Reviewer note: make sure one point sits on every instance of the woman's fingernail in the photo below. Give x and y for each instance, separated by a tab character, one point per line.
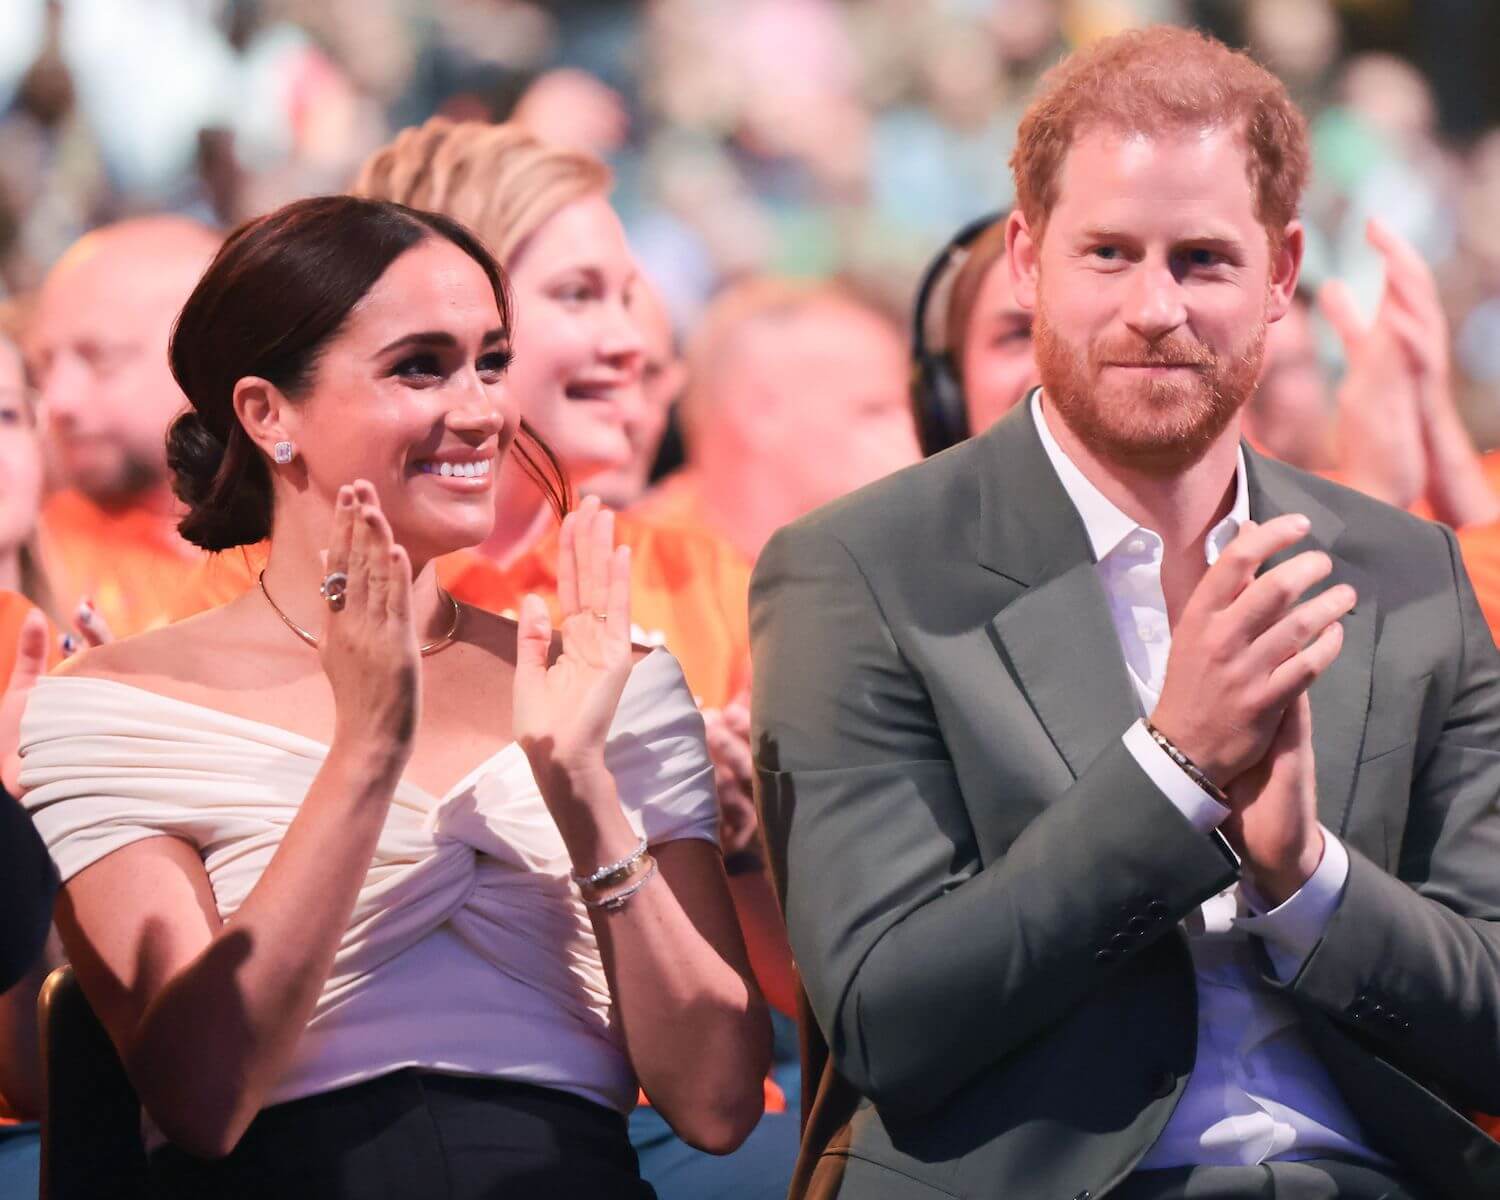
69	643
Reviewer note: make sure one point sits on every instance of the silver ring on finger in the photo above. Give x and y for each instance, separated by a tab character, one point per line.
334	589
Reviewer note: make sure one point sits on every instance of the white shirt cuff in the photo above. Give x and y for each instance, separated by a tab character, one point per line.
1203	812
1295	926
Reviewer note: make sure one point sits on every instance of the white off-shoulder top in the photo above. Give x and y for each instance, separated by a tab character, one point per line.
468	950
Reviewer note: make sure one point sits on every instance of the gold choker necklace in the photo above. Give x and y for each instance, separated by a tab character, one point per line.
312	640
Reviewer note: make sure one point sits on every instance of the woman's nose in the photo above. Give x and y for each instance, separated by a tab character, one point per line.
621	340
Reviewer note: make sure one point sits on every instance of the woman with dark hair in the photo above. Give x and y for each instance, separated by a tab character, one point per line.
378	894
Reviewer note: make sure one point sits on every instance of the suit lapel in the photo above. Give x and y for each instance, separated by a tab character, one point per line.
1062	648
1059	643
1056	638
1340	697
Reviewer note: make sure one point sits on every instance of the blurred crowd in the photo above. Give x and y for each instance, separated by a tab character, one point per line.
805	137
782	171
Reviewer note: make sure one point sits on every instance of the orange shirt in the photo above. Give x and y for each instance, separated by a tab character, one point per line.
688	591
219	578
674	503
130	561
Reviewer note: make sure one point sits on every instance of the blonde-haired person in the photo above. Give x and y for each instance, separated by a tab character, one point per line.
29	612
577	374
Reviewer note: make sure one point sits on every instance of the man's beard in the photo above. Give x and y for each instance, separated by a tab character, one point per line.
1154	425
119	483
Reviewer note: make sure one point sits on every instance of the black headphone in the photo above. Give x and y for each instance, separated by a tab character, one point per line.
937	396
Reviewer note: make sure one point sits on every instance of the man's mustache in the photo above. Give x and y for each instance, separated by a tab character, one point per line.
1178	352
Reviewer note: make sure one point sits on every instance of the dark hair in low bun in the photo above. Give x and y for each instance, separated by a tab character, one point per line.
278	291
228	495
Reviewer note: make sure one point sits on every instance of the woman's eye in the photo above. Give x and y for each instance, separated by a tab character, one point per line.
418	366
495	363
573	293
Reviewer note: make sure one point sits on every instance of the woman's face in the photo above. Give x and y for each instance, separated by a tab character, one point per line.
20	455
579	353
412	395
998	367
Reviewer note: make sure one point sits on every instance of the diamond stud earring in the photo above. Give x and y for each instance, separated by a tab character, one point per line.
284	452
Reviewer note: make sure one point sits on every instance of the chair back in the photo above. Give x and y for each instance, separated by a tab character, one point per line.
91	1130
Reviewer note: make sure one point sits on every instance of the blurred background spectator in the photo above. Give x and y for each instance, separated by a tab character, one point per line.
775	161
798	137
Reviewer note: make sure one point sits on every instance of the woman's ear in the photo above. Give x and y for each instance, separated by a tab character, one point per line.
267	416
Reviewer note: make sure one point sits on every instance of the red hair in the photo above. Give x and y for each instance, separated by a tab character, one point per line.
1156	80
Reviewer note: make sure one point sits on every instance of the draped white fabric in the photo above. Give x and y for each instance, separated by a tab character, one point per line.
468	949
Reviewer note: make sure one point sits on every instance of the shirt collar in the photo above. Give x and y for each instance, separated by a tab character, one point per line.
1105	524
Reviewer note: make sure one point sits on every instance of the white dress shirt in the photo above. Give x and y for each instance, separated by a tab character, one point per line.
1257	1091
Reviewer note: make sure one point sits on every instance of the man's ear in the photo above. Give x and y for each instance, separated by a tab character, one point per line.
1022	254
1285	270
266	414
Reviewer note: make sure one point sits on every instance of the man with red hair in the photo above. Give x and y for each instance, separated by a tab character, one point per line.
1135	799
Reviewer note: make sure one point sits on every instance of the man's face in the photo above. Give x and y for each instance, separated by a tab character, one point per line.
835	378
97	351
1153	285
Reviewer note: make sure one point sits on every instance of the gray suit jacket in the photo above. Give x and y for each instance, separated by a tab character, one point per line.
982	887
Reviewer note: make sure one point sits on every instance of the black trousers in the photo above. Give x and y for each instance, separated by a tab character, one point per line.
415	1135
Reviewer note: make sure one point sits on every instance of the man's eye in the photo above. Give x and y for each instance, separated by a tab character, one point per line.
417	366
1202	258
1108	253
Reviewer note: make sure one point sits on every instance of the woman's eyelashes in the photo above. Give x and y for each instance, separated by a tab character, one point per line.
496	362
422	368
418	366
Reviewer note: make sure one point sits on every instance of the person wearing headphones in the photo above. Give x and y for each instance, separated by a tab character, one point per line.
971	348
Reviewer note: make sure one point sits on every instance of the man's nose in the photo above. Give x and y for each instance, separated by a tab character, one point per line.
64	391
1155	304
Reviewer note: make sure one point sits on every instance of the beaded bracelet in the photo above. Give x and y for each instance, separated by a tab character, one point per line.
1189	767
621	898
615	872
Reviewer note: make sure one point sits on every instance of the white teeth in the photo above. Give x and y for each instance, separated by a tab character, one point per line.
468	470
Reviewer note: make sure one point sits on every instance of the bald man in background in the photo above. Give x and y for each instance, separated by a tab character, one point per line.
796	395
96	347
